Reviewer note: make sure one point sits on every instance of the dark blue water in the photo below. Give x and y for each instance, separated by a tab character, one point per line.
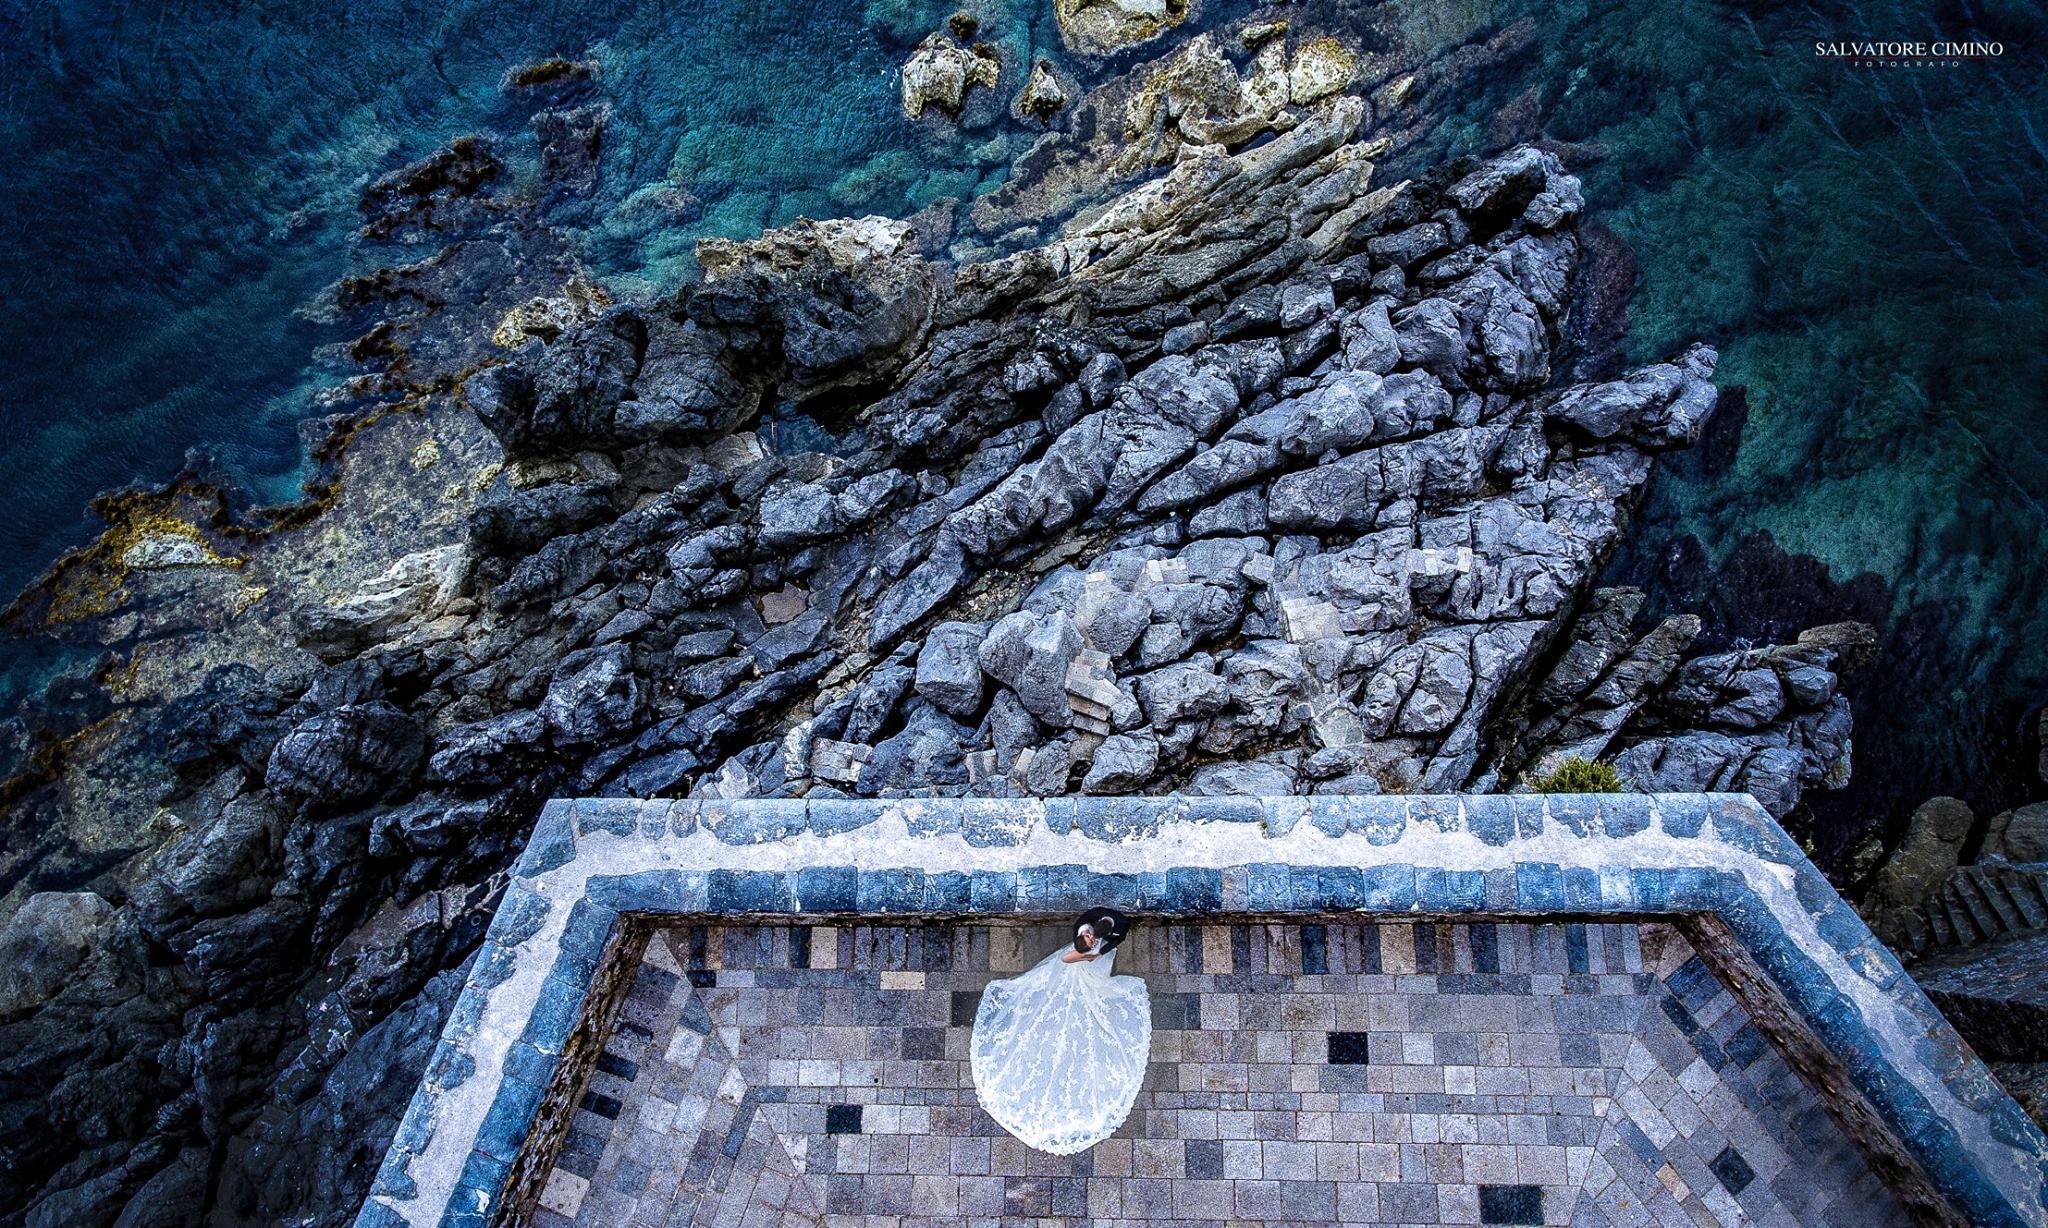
1865	245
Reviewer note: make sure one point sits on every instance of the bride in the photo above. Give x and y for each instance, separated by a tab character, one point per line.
1059	1052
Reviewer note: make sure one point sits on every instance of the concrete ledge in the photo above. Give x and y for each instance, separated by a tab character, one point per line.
1934	1121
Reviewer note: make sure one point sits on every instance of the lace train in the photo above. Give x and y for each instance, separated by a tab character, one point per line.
1058	1053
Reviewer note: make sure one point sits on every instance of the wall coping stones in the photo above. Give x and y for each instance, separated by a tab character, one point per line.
1959	1149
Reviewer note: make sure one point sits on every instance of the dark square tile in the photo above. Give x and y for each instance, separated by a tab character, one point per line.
1204	1159
618	1067
1510	1204
965	1003
604	1106
1348	1049
1732	1170
702	978
842	1119
924	1044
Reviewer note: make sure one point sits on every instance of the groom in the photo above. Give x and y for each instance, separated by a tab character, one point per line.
1099	930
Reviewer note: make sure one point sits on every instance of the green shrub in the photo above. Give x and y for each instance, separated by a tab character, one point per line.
1576	775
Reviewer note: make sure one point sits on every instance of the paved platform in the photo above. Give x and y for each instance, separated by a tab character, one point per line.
1360	1073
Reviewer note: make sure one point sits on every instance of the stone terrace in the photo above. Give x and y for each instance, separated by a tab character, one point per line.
1491	934
1432	1073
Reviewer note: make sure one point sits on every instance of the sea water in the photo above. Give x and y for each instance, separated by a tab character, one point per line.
1863	243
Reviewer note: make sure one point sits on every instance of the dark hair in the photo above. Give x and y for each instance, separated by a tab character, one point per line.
1109	926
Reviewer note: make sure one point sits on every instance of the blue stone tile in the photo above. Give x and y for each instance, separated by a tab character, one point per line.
1693	887
1491	817
1842	929
1682	816
1529	811
1652	889
529	1065
1582	889
653	891
1617	889
584	937
936	816
1052	888
990	823
1194	890
520	916
494	967
1389	887
1500	889
750	891
1225	810
1315	950
895	890
450	1067
1059	815
485	1172
376	1215
1451	891
1382	823
1283	814
470	1207
759	820
832	816
1444	814
1341	887
553	843
993	891
682	817
1152	893
509	1120
1624	814
1236	891
1268	888
1577	813
1332	816
1118	818
619	816
1816	894
828	889
1305	888
948	891
1539	886
1114	891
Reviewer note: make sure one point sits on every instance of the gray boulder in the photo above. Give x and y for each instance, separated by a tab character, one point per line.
1241	780
351	754
45	942
1029	653
1123	762
949	669
594	694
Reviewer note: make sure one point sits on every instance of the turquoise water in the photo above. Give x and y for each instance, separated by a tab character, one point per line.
1868	247
1865	245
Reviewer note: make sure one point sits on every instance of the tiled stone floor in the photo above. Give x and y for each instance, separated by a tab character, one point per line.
1301	1074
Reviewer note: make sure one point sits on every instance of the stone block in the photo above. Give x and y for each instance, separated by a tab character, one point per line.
756	820
828	889
553	843
986	823
831	816
617	816
750	891
993	892
895	890
1539	886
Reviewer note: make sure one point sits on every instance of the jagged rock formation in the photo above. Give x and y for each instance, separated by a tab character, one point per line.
1252	481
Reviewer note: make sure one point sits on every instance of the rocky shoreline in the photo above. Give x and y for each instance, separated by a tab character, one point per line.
1260	477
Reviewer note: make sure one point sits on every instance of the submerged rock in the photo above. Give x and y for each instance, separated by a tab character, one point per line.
940	72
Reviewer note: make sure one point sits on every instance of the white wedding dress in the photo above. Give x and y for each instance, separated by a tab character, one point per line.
1059	1052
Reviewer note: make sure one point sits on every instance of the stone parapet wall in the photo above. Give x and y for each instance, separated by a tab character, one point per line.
1932	1118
